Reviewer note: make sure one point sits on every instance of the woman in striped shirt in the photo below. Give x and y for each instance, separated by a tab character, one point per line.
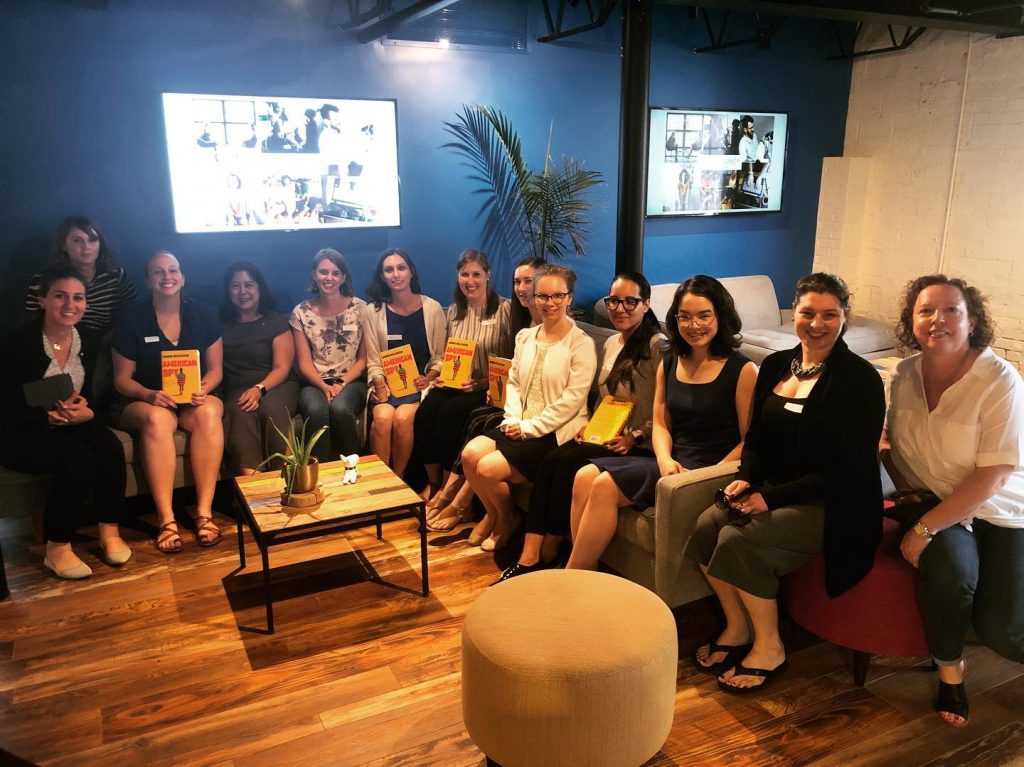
478	313
79	243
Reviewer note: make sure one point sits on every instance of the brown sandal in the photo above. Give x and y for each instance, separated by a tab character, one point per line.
168	539
206	525
448	518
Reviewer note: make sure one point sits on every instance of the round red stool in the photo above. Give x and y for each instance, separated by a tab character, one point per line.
878	616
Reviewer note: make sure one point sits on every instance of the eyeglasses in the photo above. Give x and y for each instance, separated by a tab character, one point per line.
724	501
629	304
555	298
700	320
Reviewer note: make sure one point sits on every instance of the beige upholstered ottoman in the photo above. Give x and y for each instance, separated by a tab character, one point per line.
568	667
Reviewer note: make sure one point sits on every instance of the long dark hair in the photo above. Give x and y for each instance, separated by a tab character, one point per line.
56	272
520	314
461	303
330	254
104	262
977	310
378	290
638	346
727	339
228	312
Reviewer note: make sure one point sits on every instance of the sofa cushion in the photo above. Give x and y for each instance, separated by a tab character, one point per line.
755	300
863	337
637	527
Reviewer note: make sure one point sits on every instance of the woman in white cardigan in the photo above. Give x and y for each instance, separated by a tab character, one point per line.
397	315
545	403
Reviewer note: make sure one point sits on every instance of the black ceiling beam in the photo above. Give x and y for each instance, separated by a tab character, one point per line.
417	10
910	36
762	37
555	29
905	14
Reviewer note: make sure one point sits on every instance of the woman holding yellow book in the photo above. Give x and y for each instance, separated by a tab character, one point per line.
545	403
399	323
167	323
702	398
625	382
479	315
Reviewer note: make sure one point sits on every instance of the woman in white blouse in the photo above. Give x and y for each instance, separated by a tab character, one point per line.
956	428
545	402
398	315
479	314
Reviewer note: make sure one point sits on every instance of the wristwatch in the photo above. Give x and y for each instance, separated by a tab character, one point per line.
922	529
262	389
637	435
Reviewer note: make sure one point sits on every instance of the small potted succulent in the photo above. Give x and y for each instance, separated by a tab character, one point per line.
299	467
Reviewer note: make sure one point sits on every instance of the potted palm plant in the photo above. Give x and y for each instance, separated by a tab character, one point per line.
544	214
299	467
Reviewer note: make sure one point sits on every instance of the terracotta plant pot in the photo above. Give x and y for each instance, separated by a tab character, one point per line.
306	477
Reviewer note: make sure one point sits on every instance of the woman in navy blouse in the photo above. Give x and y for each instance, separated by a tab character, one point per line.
166	323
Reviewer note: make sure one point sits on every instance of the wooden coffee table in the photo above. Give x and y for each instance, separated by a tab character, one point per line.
377	495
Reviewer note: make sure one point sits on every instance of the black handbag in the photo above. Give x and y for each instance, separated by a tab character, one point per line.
910	506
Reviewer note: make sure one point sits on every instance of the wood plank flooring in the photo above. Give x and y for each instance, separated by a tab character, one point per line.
165	662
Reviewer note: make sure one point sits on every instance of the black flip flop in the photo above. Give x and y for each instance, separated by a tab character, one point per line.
734	654
768	675
952	699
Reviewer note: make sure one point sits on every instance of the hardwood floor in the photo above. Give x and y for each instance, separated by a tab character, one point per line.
165	662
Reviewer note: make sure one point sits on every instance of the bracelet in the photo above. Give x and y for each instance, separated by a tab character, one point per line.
922	529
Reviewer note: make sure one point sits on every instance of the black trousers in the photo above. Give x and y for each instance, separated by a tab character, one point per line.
551	497
82	459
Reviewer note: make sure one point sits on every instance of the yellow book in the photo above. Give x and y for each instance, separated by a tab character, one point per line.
400	370
609	418
180	374
497	378
457	367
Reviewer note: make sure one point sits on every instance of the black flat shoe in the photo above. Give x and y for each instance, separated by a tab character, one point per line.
514	571
952	699
733	655
768	675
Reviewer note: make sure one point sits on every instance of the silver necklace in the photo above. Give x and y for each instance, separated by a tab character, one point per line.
802	373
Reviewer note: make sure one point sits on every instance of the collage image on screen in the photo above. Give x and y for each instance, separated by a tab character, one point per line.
255	163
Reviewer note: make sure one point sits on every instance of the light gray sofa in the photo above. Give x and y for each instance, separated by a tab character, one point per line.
768	328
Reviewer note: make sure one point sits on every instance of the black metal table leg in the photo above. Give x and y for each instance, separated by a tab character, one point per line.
380	531
266	587
4	590
422	515
241	538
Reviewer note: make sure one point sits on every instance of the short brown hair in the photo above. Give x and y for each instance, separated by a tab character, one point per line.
977	310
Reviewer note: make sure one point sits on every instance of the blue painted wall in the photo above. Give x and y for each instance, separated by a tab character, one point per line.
81	94
792	76
84	133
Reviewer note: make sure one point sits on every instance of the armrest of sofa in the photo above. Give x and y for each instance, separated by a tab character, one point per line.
680	499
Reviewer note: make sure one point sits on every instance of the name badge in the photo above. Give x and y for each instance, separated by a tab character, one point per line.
350	328
491	321
394	336
793	407
152	339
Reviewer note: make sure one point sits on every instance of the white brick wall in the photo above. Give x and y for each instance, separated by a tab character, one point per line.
932	177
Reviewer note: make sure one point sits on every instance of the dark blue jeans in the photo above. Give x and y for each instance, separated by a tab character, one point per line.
973	578
340	414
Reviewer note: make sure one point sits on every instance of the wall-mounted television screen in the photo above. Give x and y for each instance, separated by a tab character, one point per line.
702	162
243	163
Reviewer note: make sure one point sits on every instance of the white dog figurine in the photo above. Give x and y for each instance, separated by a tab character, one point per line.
350	461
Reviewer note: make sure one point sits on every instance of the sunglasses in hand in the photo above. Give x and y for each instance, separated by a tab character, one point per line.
724	501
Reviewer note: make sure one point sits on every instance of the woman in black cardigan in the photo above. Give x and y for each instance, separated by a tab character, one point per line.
808	483
81	455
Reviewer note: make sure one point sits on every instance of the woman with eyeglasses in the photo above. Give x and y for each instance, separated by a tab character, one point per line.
399	314
808	483
628	369
956	429
702	395
545	403
330	352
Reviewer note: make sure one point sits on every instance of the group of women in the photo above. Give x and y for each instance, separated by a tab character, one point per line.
806	427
